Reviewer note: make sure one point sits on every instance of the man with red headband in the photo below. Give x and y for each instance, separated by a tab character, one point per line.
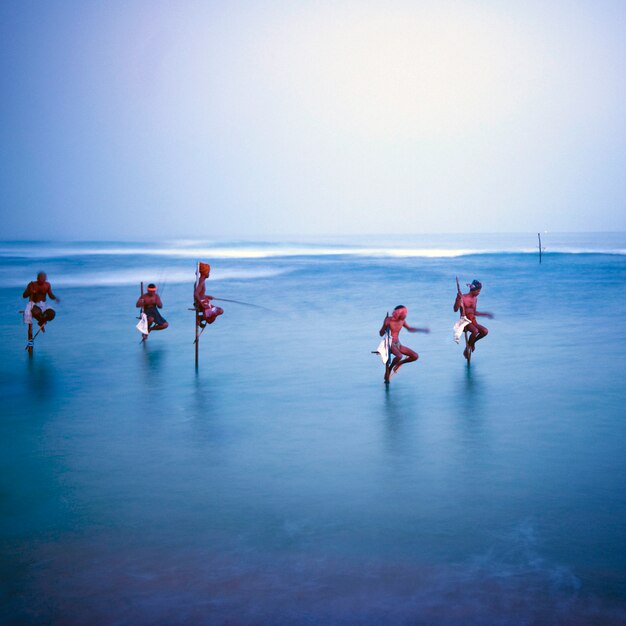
395	323
467	303
150	302
202	301
36	291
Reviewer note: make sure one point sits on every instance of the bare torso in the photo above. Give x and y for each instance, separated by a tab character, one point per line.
149	300
395	326
37	292
469	306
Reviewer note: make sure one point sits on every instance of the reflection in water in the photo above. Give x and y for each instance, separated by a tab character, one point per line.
471	403
470	392
153	358
205	413
40	379
400	413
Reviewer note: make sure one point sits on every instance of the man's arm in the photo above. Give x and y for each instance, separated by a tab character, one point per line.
27	291
158	302
52	296
487	315
139	304
416	330
384	327
457	302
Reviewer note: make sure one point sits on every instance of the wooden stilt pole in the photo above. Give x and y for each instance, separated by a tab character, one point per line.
29	345
462	307
197	341
539	237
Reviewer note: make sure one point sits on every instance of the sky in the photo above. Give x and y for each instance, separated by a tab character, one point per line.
156	120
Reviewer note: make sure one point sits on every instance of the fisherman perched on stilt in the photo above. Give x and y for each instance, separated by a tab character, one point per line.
207	312
37	291
395	323
150	303
466	303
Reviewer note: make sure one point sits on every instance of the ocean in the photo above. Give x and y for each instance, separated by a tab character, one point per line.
282	482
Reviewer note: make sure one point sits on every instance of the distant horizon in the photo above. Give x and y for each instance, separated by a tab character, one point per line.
294	237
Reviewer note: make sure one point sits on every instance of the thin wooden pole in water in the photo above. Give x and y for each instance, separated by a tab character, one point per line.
462	307
197	341
539	237
29	345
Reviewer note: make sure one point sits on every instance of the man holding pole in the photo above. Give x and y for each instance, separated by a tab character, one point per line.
467	303
394	323
150	302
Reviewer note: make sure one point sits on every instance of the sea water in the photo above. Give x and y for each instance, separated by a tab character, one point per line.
283	482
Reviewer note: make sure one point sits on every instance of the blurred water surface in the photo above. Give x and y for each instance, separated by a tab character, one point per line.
282	482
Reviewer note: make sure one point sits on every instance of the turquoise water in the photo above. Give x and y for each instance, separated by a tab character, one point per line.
282	482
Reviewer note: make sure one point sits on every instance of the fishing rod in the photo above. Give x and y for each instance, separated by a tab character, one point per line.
256	306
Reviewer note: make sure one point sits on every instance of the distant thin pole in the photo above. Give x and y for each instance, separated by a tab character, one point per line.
539	237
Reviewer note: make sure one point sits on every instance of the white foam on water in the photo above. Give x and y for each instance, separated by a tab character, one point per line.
133	276
262	251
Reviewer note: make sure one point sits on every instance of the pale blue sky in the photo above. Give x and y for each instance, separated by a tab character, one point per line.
128	119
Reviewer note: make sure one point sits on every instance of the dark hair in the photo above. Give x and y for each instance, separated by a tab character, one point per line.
400	306
151	286
476	284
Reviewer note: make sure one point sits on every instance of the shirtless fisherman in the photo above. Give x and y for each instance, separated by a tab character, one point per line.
396	322
202	301
150	302
36	291
469	301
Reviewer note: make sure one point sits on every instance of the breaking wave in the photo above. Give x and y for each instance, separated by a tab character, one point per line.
133	276
269	250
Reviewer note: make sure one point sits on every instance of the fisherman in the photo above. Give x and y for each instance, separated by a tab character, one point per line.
467	304
395	323
209	312
36	291
150	302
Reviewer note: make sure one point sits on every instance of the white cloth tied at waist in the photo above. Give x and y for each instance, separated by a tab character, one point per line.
142	326
459	327
28	310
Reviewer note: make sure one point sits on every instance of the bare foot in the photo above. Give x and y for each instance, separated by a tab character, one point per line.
144	337
466	352
395	369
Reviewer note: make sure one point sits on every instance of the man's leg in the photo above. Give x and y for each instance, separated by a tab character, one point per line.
472	329
481	332
397	357
409	356
39	316
212	313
